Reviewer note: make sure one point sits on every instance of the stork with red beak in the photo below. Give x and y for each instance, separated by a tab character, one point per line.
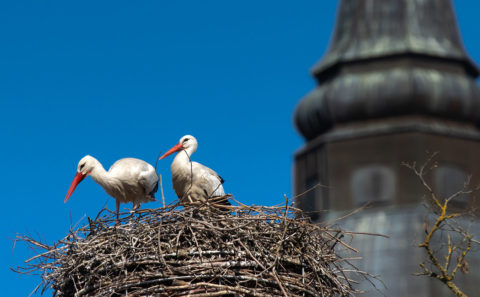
192	181
127	180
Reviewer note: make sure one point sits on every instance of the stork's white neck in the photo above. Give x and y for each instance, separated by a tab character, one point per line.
182	159
101	176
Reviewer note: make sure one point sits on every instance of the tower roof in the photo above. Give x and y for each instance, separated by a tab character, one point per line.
388	58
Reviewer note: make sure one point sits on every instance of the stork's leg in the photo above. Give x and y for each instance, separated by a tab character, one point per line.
117	205
135	206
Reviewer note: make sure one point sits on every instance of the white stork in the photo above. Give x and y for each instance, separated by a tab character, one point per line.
192	181
127	180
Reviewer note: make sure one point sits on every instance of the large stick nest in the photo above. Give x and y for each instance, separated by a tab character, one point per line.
195	251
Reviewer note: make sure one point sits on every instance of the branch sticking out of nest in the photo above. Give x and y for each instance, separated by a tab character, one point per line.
196	251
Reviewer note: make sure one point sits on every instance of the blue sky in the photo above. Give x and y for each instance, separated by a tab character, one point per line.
121	79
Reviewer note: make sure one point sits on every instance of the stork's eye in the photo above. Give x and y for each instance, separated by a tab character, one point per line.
185	140
81	166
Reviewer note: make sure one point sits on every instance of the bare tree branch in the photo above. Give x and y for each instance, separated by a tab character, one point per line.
444	222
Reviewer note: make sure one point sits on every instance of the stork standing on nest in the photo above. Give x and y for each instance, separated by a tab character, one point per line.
192	181
127	180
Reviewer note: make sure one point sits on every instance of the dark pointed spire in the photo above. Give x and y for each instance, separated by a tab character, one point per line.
389	58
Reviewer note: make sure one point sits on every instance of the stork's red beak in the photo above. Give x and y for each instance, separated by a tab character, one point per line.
174	149
76	180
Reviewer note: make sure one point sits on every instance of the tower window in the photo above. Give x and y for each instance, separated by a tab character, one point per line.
449	179
373	184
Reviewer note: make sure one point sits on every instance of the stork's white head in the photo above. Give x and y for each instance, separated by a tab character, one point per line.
85	166
187	142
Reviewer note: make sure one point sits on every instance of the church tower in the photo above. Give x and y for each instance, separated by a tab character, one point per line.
394	86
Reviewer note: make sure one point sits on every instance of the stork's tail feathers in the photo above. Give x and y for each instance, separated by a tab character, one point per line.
152	193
